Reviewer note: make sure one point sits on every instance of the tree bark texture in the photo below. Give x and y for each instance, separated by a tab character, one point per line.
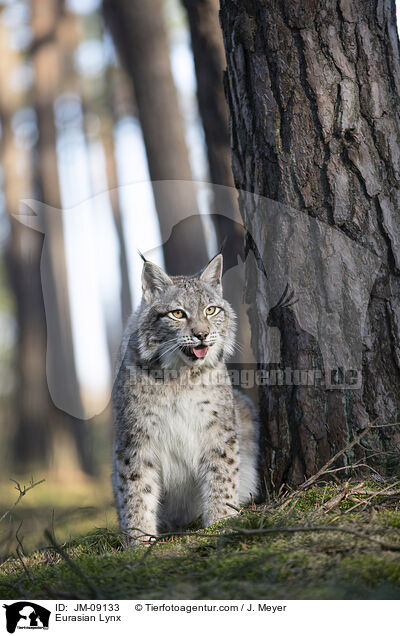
313	92
140	38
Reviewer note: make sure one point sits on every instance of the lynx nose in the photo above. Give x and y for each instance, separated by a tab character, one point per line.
202	335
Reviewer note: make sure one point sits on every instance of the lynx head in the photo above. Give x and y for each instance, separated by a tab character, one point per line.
185	320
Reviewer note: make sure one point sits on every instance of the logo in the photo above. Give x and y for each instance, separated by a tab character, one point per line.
26	615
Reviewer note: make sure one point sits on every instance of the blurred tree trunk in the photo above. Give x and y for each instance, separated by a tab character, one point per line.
119	103
116	325
31	435
70	446
118	100
141	40
313	92
99	96
107	139
209	60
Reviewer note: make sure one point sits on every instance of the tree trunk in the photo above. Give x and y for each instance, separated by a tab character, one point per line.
70	447
140	37
107	102
107	140
209	60
30	440
313	93
119	102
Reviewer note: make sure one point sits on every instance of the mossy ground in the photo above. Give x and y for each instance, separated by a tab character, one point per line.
226	561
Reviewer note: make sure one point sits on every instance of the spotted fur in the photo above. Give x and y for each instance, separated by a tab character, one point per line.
186	445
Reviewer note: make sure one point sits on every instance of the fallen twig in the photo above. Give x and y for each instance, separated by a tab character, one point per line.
333	502
385	546
19	541
233	507
276	530
350	467
22	493
373	494
355	441
73	565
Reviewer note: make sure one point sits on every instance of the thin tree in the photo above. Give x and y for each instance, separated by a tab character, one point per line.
140	37
70	448
99	96
313	91
30	439
209	60
107	139
116	93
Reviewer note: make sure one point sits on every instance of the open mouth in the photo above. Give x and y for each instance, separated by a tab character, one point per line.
195	353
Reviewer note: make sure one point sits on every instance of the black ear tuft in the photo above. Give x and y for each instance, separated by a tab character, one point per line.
223	243
144	259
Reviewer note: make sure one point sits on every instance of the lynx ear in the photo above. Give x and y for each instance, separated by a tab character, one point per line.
154	280
212	273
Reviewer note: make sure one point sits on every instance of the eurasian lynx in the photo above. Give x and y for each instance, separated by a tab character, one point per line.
186	443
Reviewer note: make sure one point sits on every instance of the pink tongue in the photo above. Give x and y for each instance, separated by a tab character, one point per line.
200	352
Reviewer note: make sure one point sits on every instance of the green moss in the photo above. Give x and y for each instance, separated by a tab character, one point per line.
371	569
314	497
390	518
224	562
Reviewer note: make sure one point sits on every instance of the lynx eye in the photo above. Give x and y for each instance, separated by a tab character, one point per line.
177	314
212	310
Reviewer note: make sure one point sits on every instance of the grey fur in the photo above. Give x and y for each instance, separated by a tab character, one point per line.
186	444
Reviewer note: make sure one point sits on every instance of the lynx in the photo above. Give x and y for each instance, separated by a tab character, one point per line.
186	442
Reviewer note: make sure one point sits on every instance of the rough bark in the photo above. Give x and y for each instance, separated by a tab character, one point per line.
140	37
313	92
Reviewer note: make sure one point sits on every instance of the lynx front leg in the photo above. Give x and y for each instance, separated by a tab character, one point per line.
220	485
136	487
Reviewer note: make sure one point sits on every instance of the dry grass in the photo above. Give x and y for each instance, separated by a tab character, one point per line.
327	541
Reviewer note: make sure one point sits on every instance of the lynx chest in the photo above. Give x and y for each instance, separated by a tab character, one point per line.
180	430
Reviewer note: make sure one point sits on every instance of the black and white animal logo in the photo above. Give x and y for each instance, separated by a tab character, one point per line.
26	615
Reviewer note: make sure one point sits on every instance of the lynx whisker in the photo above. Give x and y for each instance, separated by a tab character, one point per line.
238	347
174	345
